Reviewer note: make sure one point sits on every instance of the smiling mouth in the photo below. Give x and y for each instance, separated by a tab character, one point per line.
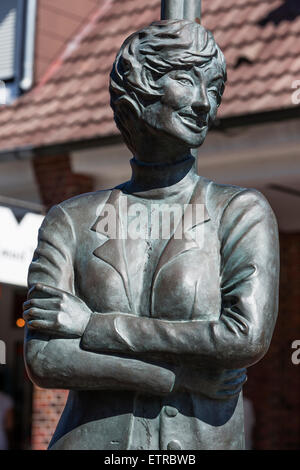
194	122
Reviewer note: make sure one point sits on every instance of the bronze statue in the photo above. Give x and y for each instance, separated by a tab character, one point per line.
152	334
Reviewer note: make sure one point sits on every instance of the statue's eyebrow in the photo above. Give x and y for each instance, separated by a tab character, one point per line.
219	76
214	79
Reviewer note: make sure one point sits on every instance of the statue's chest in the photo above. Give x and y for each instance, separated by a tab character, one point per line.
181	282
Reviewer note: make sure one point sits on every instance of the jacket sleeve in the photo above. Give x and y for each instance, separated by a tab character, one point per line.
61	363
249	275
52	262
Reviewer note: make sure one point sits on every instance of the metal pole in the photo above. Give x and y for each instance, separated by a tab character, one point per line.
181	9
172	9
192	10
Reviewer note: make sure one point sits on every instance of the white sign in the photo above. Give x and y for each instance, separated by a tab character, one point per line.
18	241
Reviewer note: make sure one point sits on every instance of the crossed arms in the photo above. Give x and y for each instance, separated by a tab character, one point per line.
68	346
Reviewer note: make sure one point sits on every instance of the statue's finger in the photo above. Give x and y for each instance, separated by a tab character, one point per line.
38	313
44	288
42	325
49	303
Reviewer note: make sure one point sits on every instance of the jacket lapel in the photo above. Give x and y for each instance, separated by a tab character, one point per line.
111	250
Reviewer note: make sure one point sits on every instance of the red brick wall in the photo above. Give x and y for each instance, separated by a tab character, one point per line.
47	408
56	181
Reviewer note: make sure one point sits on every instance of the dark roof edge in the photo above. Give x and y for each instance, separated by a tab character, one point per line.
24	153
257	118
220	125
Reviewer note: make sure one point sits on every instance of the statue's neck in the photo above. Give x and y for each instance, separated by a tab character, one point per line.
147	176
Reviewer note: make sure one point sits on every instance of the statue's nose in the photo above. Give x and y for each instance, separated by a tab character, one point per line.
201	102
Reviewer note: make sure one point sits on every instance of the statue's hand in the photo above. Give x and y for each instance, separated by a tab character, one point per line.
215	384
55	312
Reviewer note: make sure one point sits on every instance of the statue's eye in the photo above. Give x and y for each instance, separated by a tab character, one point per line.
216	95
186	81
214	92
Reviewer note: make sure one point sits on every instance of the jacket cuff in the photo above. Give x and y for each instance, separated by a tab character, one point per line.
101	334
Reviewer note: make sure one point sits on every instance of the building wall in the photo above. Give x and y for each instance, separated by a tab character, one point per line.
47	408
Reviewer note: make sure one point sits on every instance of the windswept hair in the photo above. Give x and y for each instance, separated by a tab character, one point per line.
148	54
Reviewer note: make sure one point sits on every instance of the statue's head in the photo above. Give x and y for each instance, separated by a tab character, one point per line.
169	77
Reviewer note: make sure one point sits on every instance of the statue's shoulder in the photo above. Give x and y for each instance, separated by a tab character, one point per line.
80	209
219	197
86	201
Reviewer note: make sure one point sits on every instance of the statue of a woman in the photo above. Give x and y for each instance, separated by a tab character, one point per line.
151	333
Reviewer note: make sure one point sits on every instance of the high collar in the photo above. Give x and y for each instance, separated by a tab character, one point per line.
154	176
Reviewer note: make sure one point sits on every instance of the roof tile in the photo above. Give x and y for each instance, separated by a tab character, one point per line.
72	101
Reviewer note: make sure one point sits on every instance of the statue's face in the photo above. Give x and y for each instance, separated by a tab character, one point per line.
188	103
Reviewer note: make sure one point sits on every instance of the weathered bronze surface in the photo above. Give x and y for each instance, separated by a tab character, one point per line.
152	334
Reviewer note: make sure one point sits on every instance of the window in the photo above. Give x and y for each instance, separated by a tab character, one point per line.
17	30
8	20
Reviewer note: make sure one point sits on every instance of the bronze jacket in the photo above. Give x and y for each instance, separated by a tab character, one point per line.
212	306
